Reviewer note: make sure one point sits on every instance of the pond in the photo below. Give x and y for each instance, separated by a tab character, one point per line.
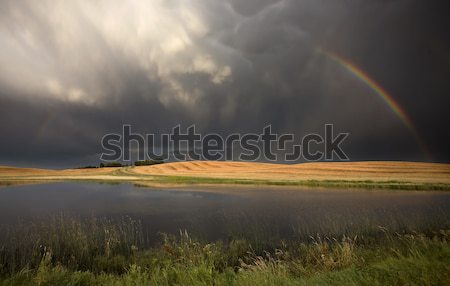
213	213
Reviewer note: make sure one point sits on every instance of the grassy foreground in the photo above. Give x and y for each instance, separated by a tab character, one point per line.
99	252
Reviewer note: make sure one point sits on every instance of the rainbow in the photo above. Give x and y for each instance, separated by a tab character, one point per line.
380	91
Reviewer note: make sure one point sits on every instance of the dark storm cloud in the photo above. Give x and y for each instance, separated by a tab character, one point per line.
71	72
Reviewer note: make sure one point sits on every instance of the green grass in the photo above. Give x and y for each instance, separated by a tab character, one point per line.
67	251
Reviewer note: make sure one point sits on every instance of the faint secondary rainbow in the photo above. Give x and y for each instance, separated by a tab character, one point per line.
380	91
44	123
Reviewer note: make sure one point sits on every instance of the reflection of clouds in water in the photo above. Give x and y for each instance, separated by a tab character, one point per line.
255	213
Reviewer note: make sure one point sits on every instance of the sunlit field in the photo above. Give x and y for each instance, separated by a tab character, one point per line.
381	175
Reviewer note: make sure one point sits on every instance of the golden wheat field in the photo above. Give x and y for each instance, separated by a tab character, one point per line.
385	171
358	171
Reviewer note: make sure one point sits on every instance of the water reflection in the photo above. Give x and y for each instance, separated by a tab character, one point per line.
221	213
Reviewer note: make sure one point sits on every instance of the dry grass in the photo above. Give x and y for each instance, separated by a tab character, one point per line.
26	172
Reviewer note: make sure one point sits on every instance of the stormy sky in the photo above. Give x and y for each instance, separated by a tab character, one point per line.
72	71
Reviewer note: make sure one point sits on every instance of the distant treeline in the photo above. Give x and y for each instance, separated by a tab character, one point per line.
118	164
148	162
113	165
87	167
